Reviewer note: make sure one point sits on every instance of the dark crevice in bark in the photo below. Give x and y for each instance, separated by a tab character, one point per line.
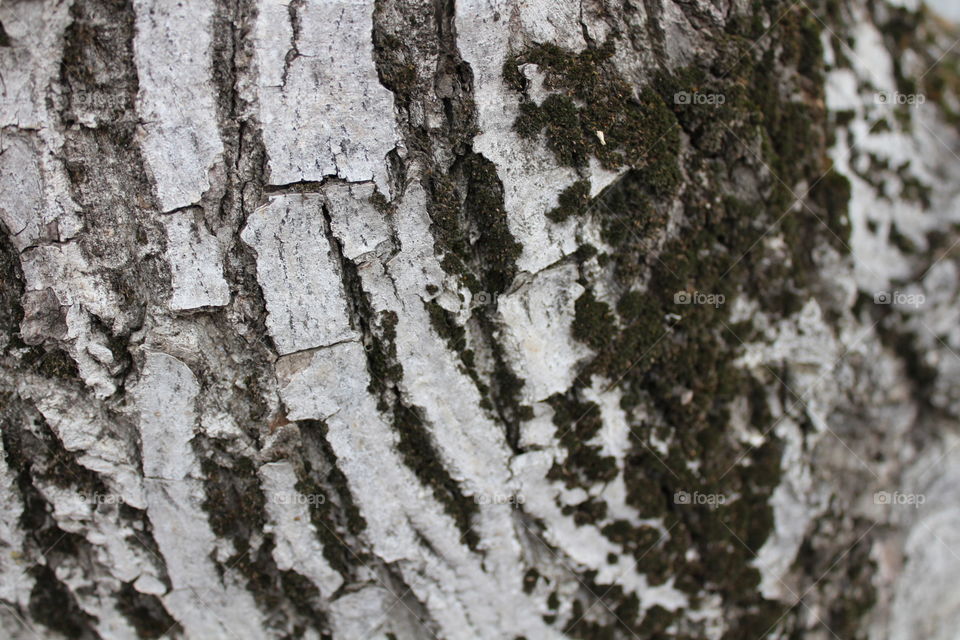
103	163
465	195
47	358
234	501
302	186
416	443
654	37
339	524
296	27
52	605
11	292
337	519
32	456
108	181
144	611
236	510
244	318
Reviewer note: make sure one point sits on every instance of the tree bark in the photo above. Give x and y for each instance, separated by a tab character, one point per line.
478	319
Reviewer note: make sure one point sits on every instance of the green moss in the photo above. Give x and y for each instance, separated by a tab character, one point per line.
385	370
512	75
675	364
852	569
530	121
832	195
233	500
590	511
11	288
52	362
682	372
902	242
578	422
566	137
802	49
592	111
572	201
445	324
913	188
305	598
470	225
507	387
593	322
494	247
844	117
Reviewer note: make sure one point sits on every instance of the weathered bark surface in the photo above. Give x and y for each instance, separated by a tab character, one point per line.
478	319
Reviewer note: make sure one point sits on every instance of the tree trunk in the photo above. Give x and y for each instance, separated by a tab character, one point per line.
479	319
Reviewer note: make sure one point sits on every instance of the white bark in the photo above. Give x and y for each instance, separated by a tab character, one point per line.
300	335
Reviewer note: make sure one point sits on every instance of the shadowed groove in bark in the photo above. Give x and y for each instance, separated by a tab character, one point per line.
103	162
33	454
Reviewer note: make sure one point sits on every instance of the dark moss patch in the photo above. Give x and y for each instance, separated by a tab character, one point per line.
235	508
385	369
53	362
494	246
848	571
103	163
395	65
593	322
592	111
904	344
470	224
530	579
832	195
676	361
902	242
233	502
305	598
572	201
914	189
11	290
577	423
445	324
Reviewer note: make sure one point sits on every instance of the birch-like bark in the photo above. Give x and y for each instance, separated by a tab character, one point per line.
478	319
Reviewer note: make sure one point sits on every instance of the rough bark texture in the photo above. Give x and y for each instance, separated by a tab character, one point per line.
479	319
